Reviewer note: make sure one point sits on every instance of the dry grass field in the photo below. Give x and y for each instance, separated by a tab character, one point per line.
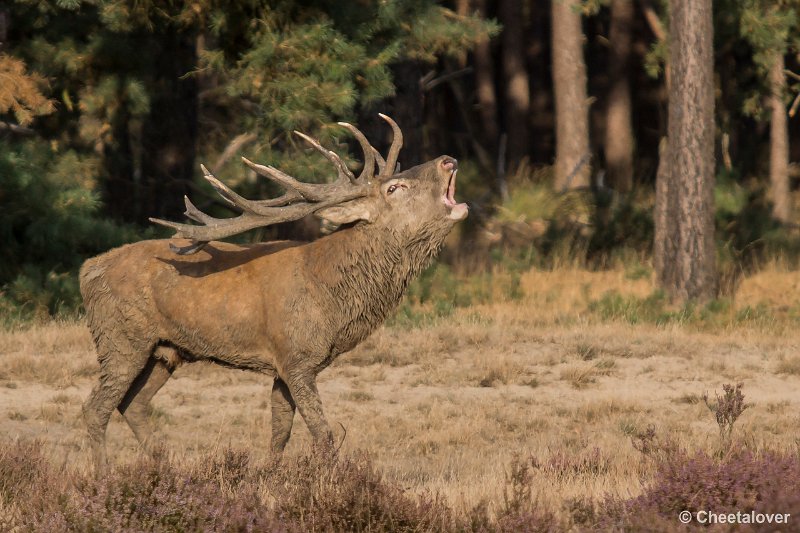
445	406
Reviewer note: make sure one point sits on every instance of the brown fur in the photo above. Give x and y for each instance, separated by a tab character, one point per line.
284	309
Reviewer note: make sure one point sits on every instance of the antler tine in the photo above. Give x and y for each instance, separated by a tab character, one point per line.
330	155
253	206
369	152
223	190
380	160
397	144
305	190
195	214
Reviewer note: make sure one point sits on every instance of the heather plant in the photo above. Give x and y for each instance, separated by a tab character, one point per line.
313	492
651	445
742	481
318	492
520	511
727	409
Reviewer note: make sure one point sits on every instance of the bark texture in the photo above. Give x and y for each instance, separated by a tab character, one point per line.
572	168
779	144
619	143
684	252
518	100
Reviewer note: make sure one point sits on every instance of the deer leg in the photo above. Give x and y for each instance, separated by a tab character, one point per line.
283	408
305	394
117	372
135	405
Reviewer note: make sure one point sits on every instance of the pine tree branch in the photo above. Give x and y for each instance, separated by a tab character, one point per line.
653	21
791	74
15	128
234	146
795	103
428	84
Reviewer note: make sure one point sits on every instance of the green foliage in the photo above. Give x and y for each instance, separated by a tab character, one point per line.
308	65
656	309
587	227
768	27
266	67
439	291
20	92
656	58
48	226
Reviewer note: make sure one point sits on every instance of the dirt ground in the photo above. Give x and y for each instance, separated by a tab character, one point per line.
446	407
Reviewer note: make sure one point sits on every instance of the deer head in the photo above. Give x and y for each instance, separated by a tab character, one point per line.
406	202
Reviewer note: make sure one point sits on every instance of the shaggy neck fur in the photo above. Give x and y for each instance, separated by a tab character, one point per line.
372	269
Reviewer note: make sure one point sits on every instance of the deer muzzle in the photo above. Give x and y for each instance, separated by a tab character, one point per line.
458	211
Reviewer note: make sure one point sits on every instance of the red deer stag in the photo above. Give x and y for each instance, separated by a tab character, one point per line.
285	309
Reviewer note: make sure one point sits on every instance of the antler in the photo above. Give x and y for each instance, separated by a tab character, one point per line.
397	144
300	199
372	155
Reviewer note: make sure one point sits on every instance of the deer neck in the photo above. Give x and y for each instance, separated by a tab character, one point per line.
367	270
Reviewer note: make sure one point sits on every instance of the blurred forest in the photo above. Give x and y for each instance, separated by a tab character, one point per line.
557	111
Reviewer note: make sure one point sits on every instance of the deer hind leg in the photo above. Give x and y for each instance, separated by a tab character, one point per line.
305	394
283	408
118	370
135	405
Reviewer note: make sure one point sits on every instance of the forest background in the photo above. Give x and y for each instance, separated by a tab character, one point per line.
555	110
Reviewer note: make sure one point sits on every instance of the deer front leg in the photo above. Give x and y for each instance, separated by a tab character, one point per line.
283	408
304	391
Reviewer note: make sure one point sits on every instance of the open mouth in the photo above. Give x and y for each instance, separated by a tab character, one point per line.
457	211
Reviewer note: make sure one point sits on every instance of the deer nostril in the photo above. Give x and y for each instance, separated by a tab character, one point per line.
449	164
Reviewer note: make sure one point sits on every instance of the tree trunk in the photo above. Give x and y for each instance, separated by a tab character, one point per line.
572	167
517	106
484	81
779	144
684	253
619	130
170	132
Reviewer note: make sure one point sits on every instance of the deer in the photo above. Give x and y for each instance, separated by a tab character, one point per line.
284	309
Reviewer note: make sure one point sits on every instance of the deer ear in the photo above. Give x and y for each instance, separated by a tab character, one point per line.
348	212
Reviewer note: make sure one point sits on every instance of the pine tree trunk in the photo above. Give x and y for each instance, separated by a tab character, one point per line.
517	105
484	81
684	253
572	167
170	132
779	144
619	130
